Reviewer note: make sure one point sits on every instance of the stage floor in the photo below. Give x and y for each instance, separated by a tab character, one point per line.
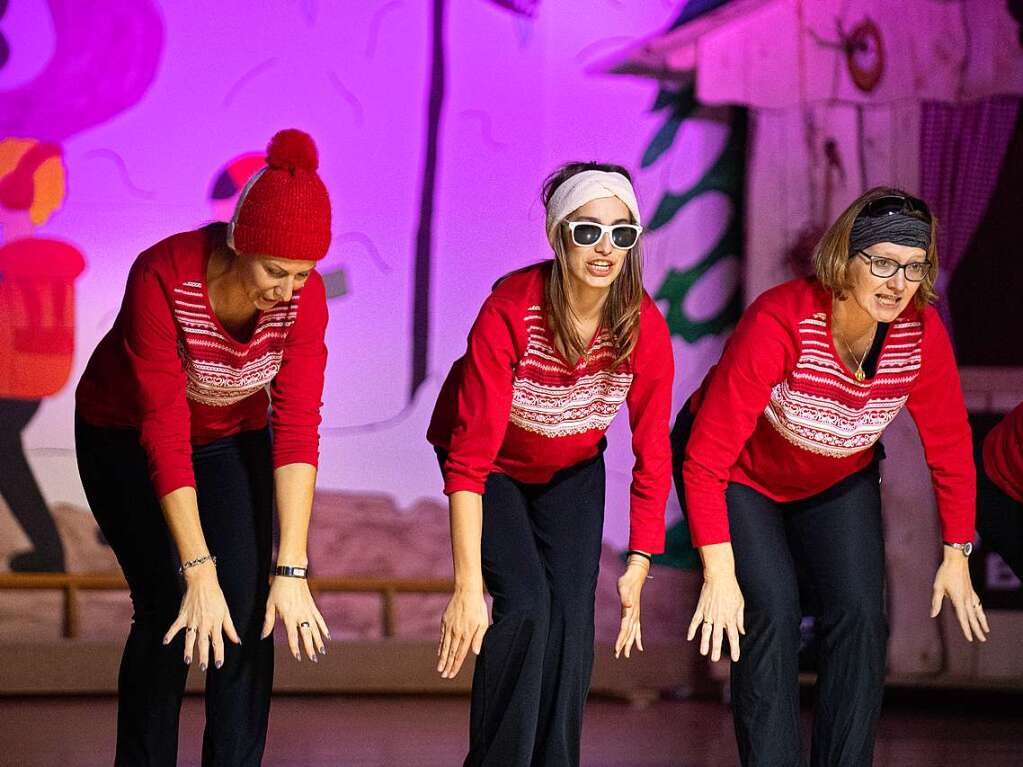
917	730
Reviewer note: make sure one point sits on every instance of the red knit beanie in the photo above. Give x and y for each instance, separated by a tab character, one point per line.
284	210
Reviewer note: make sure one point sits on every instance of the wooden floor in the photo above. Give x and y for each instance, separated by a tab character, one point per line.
917	730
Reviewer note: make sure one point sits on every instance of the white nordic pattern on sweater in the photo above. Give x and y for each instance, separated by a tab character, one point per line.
221	372
820	407
551	399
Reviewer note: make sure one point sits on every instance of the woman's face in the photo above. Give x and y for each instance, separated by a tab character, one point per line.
884	298
596	266
269	281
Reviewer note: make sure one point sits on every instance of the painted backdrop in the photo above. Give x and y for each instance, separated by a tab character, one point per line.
436	121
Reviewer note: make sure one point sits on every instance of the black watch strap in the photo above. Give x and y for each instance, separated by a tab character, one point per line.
291	572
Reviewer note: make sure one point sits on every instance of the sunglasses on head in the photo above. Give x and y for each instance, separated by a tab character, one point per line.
589	233
896	203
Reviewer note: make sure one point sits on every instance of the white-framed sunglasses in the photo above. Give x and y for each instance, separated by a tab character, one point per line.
589	233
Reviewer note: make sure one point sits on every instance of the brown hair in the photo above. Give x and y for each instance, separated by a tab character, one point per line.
620	315
831	256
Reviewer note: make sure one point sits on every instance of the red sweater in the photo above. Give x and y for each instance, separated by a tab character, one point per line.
781	412
1003	454
513	404
169	369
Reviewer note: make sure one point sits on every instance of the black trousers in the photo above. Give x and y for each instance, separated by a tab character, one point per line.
19	489
999	520
822	556
541	555
234	480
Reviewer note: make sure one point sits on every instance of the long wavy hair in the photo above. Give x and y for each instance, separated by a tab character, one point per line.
831	256
620	314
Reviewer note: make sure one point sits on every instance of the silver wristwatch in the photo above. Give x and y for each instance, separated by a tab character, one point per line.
966	548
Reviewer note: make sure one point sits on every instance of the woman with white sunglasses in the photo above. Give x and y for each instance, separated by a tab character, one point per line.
519	428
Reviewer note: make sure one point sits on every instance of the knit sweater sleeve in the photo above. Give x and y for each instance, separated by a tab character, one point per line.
649	402
151	344
296	393
939	411
755	359
484	397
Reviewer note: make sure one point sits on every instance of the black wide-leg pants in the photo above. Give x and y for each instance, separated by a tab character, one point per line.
830	549
234	482
541	554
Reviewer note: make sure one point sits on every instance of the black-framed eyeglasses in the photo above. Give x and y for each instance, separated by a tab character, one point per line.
896	203
880	266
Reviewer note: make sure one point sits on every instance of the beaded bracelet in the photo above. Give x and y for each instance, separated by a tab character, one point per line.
197	561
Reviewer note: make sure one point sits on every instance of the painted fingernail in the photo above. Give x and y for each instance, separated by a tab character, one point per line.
220	663
202	666
188	661
315	658
323	651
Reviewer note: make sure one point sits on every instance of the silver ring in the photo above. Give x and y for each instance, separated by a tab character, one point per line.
304	624
189	628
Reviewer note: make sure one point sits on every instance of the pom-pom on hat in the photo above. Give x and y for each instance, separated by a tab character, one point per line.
284	209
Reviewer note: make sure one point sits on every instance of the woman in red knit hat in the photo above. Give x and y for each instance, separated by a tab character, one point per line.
181	469
519	427
778	456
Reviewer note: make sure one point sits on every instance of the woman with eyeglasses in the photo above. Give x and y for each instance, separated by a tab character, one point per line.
778	453
519	427
182	473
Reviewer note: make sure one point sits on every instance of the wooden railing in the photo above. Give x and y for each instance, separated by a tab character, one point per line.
71	584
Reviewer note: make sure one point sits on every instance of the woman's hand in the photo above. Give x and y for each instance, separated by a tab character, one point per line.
204	617
630	587
463	625
291	599
721	605
953	581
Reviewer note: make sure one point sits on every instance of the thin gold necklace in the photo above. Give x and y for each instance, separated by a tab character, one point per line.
858	373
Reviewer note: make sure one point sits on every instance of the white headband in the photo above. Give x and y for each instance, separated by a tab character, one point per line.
238	205
584	187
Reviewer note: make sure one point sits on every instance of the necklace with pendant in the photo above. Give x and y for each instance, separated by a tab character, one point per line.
858	374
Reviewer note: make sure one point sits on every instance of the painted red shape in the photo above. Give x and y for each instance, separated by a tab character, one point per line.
37	316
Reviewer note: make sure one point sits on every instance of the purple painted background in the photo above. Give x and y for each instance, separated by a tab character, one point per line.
150	101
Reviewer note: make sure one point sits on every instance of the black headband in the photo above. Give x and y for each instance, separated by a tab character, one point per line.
897	228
